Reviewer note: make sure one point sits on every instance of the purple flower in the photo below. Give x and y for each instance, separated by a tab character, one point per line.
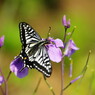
65	22
70	48
54	50
76	79
1	41
16	65
1	80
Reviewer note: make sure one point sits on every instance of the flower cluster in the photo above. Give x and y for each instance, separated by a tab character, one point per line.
65	22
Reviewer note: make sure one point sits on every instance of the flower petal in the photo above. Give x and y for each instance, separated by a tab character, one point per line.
80	76
59	43
55	53
68	23
70	48
64	20
72	45
1	41
1	80
16	65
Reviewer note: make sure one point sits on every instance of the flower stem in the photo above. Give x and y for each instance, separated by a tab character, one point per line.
6	88
8	76
2	90
37	86
62	76
48	33
62	66
51	89
72	33
65	35
86	65
81	75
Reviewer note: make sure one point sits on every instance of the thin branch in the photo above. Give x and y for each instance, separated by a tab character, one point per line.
48	33
62	66
2	90
71	82
72	33
50	87
81	74
65	35
6	88
8	76
85	67
62	76
37	86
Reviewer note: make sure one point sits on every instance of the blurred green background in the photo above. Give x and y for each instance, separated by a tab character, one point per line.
41	14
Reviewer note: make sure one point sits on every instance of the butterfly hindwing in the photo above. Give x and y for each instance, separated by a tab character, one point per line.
42	61
33	51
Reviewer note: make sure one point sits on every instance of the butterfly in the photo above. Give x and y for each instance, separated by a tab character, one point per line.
34	53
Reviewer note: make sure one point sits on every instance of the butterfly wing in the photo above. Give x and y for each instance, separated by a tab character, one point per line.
41	61
28	34
39	58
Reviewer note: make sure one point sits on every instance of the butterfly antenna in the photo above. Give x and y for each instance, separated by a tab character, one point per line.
49	32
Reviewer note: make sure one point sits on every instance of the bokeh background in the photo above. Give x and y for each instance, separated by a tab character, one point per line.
41	14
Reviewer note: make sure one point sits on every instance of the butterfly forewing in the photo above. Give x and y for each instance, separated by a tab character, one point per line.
28	34
36	53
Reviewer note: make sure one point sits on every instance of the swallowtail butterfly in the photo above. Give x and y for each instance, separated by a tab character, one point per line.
34	53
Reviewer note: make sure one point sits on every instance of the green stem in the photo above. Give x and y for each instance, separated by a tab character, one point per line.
51	89
37	86
72	33
65	35
85	67
82	72
8	76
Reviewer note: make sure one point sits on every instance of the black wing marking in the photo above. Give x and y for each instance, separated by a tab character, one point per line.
40	60
28	34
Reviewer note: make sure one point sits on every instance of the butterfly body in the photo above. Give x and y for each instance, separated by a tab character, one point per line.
34	53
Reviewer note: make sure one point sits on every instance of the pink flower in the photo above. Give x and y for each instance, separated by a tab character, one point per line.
66	23
54	50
